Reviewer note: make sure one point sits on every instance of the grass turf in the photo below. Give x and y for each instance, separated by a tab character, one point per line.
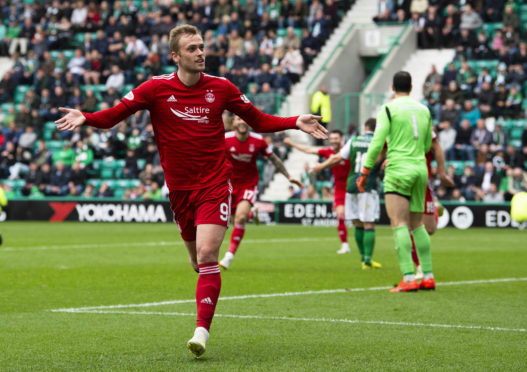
70	265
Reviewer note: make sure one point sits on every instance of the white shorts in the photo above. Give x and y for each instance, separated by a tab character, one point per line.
364	207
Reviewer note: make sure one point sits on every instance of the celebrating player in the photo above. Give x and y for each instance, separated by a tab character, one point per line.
406	126
362	208
185	109
340	175
430	214
242	149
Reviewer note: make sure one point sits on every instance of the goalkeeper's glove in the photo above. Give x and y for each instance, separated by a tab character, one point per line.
363	178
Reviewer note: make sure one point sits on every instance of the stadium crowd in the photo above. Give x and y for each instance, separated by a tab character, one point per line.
478	102
87	55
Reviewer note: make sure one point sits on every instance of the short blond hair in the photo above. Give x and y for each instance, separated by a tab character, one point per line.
177	32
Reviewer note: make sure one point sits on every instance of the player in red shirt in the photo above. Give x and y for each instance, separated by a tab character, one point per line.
340	176
430	214
242	148
186	112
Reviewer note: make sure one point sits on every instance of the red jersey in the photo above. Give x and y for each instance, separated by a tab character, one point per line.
340	171
429	156
188	126
243	155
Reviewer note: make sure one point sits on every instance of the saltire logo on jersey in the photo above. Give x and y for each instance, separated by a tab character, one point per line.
188	116
172	99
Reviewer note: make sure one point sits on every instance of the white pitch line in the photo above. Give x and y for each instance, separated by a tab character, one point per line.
283	294
161	243
324	320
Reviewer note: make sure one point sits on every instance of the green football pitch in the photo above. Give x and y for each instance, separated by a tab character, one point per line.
80	297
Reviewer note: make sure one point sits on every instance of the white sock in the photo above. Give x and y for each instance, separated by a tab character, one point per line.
429	276
229	256
345	246
409	278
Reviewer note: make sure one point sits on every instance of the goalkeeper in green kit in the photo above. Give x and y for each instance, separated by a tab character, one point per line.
406	127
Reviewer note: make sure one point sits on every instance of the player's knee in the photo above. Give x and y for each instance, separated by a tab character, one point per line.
240	220
431	229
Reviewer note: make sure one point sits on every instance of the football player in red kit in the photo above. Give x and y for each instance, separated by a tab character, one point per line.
340	177
242	148
430	214
186	113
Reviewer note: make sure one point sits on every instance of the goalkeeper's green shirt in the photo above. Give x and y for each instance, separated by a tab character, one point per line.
406	126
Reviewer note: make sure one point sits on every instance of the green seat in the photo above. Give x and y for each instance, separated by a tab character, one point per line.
49	130
517	131
141	163
20	93
168	69
128	87
54	146
68	54
517	143
6	106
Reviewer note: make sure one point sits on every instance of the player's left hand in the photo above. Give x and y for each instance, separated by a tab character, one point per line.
362	179
309	124
446	180
296	182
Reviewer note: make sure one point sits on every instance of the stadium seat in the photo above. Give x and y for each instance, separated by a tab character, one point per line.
54	146
6	106
20	93
48	130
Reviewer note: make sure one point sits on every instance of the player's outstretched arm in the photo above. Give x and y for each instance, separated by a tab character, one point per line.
328	163
309	123
70	121
101	119
304	148
281	168
439	156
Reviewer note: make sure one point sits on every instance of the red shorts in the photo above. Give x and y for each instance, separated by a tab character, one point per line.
339	198
243	192
429	201
191	208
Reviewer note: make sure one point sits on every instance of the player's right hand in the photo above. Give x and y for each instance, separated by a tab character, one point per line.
310	125
70	121
296	182
363	178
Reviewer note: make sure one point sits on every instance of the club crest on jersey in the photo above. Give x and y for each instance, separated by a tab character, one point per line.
209	96
129	96
244	98
251	147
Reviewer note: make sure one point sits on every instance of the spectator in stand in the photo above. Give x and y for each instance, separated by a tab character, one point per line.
433	99
463	141
513	104
385	11
470	112
432	79
418	6
136	48
58	184
88	192
466	79
31	179
452	92
447	139
131	168
76	65
480	135
90	101
104	191
293	64
432	34
486	99
450	27
451	113
265	101
515	75
83	155
418	23
517	181
77	179
470	19
466	44
499	139
488	177
493	195
467	183
153	192
116	79
7	87
79	16
65	156
44	178
482	48
110	96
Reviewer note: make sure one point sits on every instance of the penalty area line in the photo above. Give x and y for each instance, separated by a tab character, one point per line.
318	320
284	294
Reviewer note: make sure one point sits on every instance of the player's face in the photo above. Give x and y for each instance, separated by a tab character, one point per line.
191	56
335	141
240	126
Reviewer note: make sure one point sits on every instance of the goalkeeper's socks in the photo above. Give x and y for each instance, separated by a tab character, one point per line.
368	242
422	244
359	239
403	246
415	258
236	237
207	293
343	231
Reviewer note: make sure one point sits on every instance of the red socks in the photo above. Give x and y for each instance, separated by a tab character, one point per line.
236	237
207	293
343	231
414	252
